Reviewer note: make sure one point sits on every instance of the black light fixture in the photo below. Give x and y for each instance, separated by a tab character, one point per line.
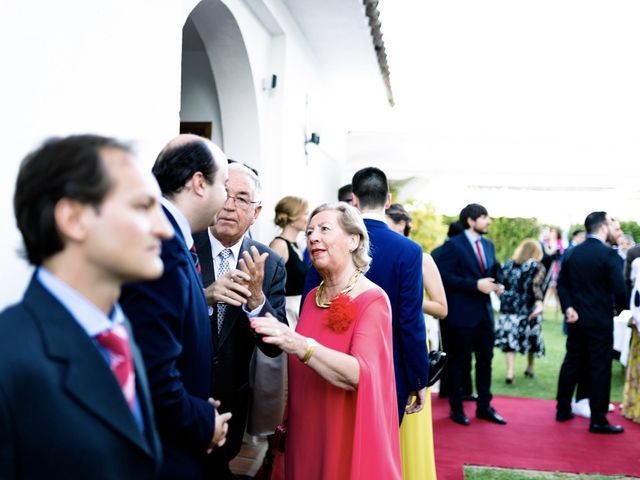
315	139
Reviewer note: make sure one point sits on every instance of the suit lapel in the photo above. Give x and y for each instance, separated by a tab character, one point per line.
203	245
86	377
231	314
472	256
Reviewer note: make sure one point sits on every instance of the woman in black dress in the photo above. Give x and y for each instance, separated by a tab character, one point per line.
291	215
520	320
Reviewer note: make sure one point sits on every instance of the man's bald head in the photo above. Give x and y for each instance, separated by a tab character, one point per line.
184	156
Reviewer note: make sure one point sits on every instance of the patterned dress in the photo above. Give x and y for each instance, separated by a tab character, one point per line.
631	394
523	287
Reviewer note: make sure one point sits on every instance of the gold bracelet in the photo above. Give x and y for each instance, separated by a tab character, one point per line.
311	344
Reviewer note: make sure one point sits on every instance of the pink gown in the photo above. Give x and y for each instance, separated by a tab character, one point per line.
335	434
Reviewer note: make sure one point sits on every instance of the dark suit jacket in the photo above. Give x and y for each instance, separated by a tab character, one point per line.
591	282
460	271
171	325
397	268
235	346
62	413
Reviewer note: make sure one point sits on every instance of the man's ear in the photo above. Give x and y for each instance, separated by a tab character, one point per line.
354	200
73	219
387	204
257	210
197	183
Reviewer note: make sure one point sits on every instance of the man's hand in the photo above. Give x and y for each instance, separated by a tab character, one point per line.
230	289
572	315
488	285
252	264
221	427
416	401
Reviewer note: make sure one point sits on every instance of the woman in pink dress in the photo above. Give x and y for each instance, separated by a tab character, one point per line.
341	380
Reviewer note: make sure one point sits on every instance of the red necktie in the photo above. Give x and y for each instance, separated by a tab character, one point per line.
116	342
196	260
482	268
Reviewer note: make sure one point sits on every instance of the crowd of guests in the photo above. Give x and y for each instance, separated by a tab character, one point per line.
155	332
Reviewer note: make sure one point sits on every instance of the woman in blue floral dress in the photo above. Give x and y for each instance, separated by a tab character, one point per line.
520	320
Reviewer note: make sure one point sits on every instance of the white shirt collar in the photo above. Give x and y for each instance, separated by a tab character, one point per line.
375	216
181	220
217	247
472	236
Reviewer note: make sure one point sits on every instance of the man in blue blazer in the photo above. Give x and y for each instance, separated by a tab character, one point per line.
169	315
470	272
396	267
90	220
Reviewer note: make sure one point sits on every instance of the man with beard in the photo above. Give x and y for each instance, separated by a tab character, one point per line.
591	288
469	272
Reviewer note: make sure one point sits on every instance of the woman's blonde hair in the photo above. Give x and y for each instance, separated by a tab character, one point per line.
289	209
351	222
528	248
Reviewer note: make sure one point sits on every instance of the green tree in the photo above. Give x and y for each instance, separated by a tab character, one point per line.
507	233
428	229
632	227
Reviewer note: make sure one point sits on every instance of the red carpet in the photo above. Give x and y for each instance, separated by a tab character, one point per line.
532	440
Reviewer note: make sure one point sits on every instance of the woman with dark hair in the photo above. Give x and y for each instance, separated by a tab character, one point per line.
340	423
520	321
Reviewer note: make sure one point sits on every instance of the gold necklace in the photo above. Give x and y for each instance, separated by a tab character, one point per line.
350	284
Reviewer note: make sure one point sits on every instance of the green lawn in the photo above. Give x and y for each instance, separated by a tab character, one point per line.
545	383
482	473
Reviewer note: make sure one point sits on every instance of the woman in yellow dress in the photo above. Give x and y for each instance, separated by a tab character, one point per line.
416	431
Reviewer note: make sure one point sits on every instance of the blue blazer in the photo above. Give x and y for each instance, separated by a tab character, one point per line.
460	271
171	325
62	413
397	268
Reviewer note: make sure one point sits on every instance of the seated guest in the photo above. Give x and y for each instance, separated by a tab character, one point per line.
341	420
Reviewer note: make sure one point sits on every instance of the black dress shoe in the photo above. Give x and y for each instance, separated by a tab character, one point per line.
563	417
458	416
472	397
605	428
490	414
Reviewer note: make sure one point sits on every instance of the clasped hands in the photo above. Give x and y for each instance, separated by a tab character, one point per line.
488	284
242	285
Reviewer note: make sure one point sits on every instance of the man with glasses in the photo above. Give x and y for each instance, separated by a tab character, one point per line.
243	278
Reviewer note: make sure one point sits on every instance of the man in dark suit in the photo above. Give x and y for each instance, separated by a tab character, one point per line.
74	401
243	279
169	315
396	267
469	270
591	289
467	386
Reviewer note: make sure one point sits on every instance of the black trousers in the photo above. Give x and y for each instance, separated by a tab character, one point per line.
463	341
593	347
467	386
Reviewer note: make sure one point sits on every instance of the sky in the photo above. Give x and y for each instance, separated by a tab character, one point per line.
530	107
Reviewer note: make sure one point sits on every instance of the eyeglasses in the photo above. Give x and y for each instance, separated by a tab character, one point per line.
241	202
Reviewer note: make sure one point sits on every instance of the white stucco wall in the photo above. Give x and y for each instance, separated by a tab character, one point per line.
73	66
114	68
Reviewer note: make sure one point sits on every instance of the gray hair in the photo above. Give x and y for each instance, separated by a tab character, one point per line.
239	167
351	222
